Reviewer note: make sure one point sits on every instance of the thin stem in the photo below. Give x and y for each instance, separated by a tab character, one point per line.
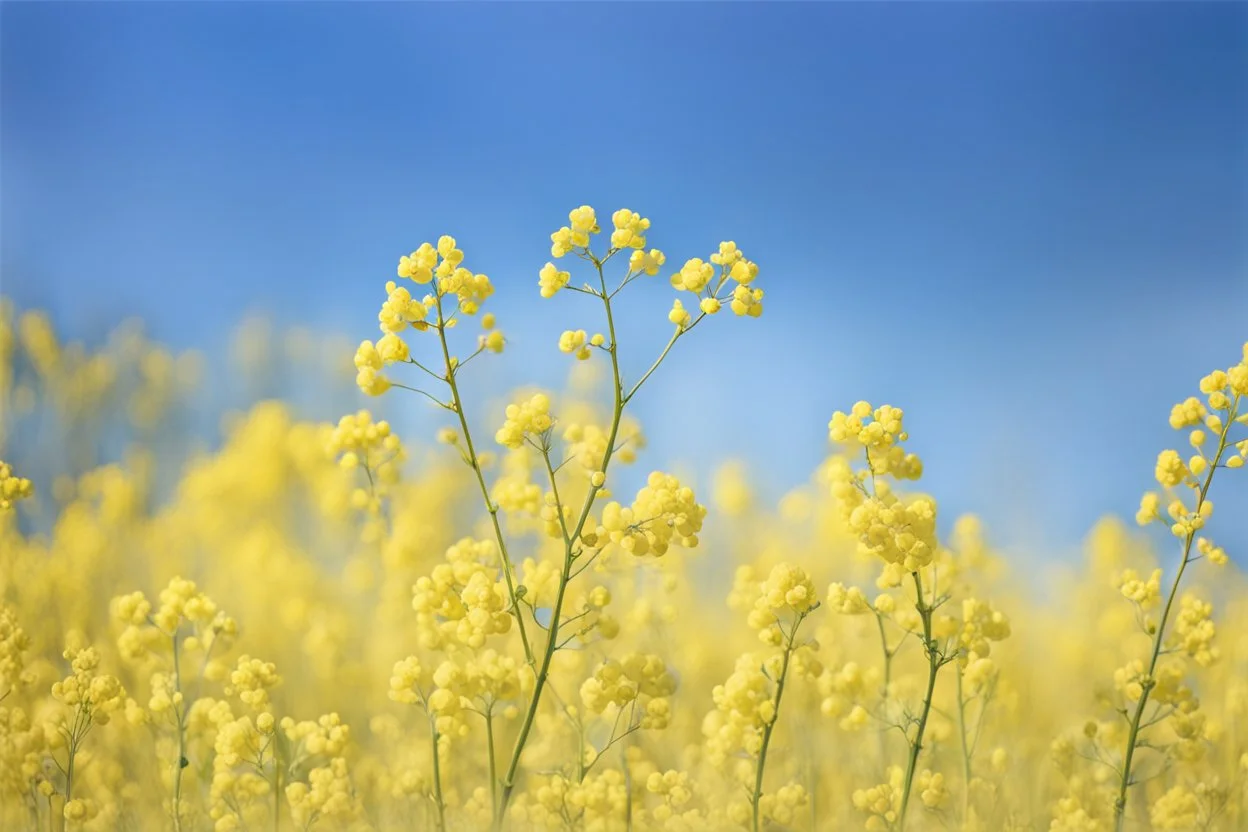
966	753
489	743
179	714
552	640
69	773
676	336
671	343
756	797
277	784
933	665
1149	681
424	393
475	462
888	674
554	489
437	776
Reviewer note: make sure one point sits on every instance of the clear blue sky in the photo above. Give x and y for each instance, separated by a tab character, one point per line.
1024	222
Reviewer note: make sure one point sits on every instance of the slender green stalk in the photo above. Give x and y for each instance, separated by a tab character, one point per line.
934	662
475	462
76	734
570	553
888	656
277	784
74	737
179	713
966	753
1149	681
760	767
888	677
437	776
489	742
69	771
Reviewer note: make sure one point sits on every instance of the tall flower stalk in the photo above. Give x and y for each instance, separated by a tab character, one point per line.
1186	484
665	513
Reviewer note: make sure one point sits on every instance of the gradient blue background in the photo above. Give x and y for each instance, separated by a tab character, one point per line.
1025	223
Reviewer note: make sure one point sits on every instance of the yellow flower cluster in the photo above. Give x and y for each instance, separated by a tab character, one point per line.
12	487
578	343
440	265
713	288
744	705
787	591
587	444
524	419
251	681
1147	594
847	693
1194	630
848	600
13	646
664	512
95	696
550	279
881	803
981	624
327	736
636	678
462	599
359	441
582	223
328	795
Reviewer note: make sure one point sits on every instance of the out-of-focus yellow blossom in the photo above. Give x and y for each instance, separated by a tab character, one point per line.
12	487
251	681
965	691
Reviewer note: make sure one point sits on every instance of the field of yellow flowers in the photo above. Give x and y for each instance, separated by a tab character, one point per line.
332	626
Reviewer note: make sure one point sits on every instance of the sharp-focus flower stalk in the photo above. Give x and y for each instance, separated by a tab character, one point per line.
1148	682
935	659
569	556
457	405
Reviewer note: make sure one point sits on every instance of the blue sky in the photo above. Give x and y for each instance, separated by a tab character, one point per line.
1023	222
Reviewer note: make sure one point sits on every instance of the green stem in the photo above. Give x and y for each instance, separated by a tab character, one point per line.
475	462
966	753
552	641
277	784
933	665
69	773
757	796
180	716
489	741
888	678
437	776
1149	681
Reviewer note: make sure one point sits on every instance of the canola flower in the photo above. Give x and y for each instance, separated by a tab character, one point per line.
324	625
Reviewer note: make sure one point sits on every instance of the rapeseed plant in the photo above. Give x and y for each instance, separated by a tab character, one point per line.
324	625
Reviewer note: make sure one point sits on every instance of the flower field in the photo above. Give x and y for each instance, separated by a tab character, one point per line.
523	620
